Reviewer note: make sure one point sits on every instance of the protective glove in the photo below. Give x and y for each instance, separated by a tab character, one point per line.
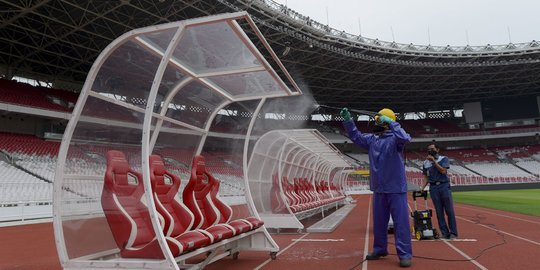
385	119
345	114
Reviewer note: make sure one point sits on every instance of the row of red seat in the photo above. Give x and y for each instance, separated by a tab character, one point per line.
472	155
27	144
31	96
199	220
302	195
414	174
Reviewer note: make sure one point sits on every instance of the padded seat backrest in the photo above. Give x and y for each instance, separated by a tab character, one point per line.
196	195
225	211
276	201
165	185
289	191
299	189
124	204
306	188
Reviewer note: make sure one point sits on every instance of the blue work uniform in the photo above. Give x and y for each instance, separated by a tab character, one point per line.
441	195
389	185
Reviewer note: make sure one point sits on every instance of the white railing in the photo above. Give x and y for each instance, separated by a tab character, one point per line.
467	180
354	186
481	133
23	211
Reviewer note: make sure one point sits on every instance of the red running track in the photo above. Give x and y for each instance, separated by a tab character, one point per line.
31	247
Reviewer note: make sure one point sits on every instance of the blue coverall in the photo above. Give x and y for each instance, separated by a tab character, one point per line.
389	185
441	195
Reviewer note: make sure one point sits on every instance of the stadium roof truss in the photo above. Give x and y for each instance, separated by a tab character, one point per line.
60	39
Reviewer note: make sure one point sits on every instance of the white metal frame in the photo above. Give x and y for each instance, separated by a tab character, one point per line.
258	239
303	153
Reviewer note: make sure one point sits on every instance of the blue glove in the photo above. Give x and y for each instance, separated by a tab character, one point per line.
345	114
385	119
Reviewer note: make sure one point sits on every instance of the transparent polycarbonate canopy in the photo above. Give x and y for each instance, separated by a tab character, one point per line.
285	155
159	90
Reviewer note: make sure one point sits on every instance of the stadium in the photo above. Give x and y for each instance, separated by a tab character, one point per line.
208	135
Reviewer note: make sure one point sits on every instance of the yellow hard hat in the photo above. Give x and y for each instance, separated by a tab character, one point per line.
388	113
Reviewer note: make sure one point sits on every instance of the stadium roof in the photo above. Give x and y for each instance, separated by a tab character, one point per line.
60	39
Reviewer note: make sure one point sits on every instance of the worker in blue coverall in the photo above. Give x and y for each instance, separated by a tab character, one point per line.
435	174
387	174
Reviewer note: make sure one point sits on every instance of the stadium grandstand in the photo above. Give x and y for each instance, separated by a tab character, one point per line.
485	115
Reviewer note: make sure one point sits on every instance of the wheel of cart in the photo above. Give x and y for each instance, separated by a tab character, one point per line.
390	228
422	227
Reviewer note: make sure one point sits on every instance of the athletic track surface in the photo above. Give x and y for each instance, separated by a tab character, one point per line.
31	247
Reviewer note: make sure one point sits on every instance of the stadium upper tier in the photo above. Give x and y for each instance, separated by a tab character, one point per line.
426	128
339	69
25	95
39	97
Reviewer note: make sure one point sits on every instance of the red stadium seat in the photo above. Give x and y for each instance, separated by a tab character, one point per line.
196	197
301	190
276	201
291	199
310	191
125	209
177	218
294	202
241	225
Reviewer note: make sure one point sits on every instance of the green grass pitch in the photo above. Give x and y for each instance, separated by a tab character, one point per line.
524	201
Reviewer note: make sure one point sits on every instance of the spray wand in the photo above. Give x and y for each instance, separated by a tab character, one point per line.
364	112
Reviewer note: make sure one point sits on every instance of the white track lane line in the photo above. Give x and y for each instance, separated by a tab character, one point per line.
281	251
497	230
366	242
465	256
319	240
501	215
458	250
448	240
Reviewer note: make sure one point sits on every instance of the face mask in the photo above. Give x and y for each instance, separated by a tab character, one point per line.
378	129
432	152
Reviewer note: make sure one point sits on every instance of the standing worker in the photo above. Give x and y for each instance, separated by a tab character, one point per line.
435	174
387	181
